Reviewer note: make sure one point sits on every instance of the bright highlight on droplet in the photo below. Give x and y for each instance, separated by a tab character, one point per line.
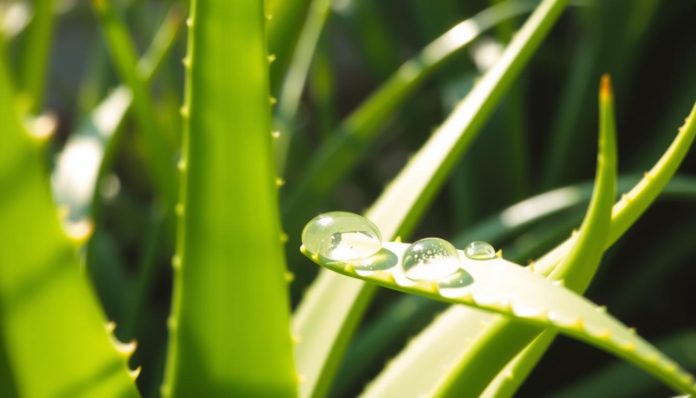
341	236
479	250
430	259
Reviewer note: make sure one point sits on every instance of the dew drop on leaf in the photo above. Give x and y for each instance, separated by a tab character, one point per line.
430	259
341	236
479	250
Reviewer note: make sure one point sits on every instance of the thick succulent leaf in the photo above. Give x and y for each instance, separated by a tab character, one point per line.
580	264
503	287
624	214
634	203
328	314
577	269
409	314
229	245
54	339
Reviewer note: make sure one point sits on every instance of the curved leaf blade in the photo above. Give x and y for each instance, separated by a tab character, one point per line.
624	214
503	287
577	268
401	205
53	328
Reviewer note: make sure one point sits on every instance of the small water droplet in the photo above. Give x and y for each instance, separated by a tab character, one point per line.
340	236
271	58
479	250
430	259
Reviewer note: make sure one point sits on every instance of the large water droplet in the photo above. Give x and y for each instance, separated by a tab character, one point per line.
341	236
479	250
430	259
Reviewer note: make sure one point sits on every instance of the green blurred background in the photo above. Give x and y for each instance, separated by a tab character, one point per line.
541	137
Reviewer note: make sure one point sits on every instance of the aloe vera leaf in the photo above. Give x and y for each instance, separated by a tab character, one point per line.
511	378
580	264
634	203
471	373
36	51
339	155
329	313
503	287
623	215
406	315
607	44
577	269
160	150
41	284
221	342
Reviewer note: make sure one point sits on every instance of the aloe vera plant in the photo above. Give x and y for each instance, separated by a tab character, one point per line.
152	248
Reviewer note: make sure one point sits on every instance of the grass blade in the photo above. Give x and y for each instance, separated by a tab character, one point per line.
340	154
223	342
160	150
53	328
36	53
285	21
333	305
294	81
89	148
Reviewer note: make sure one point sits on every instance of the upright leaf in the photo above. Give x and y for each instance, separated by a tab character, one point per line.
229	328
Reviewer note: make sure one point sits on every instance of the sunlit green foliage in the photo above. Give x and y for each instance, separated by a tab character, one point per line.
159	159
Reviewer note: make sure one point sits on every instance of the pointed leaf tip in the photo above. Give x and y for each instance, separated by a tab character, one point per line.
605	92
